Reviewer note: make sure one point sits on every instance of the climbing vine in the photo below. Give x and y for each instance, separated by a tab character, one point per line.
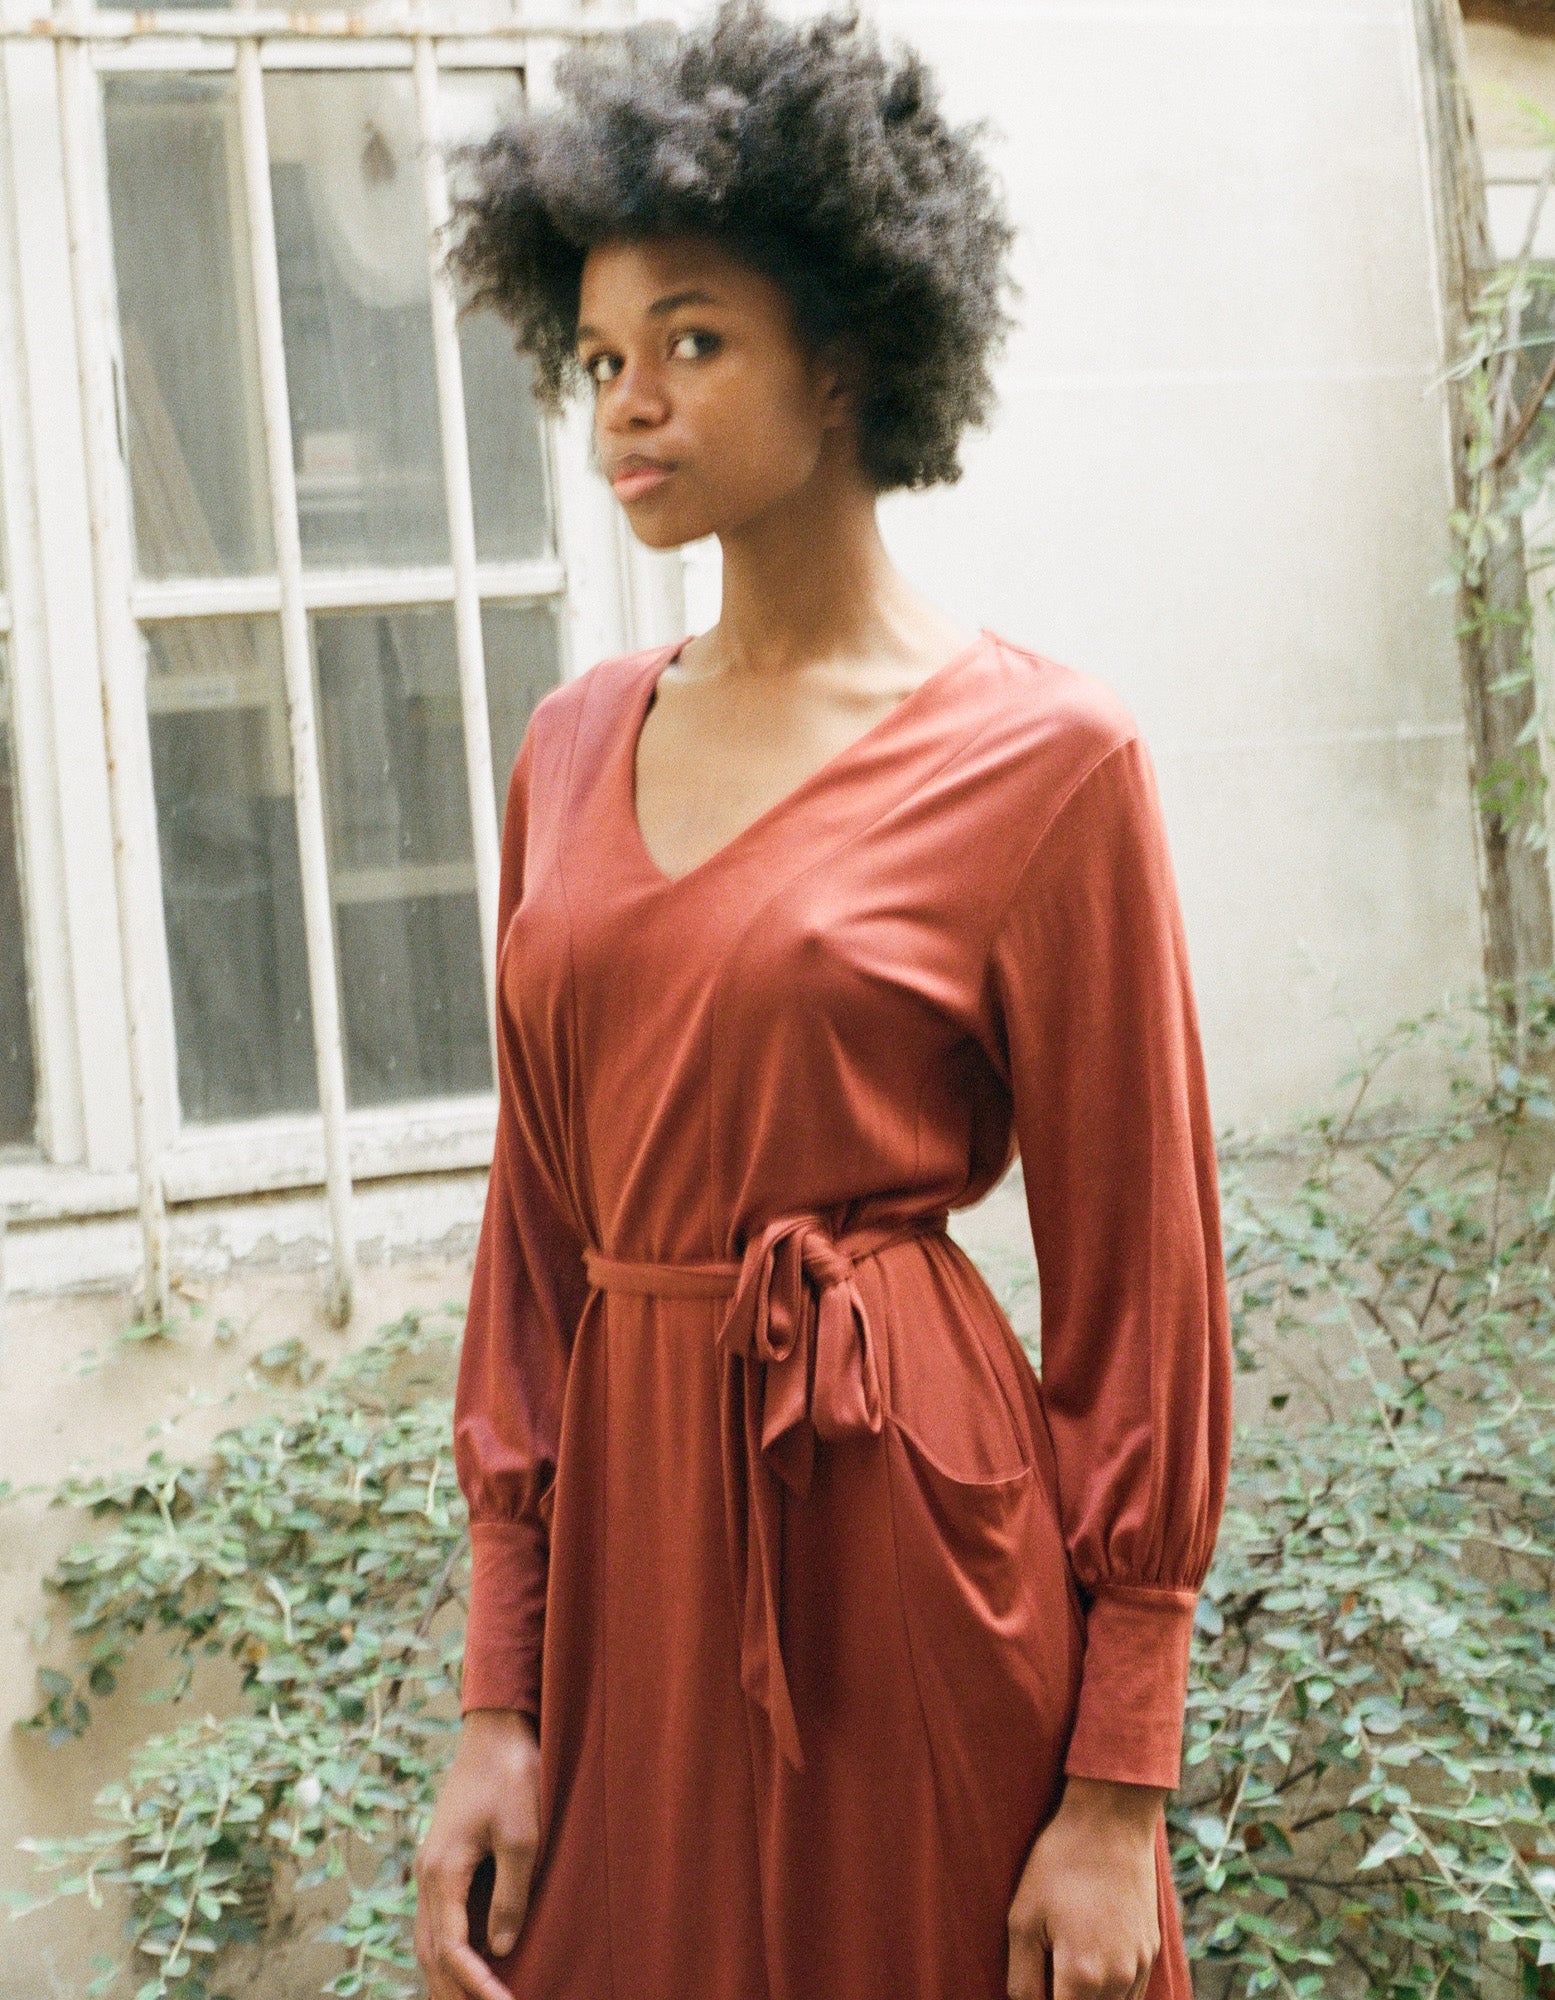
1505	374
322	1549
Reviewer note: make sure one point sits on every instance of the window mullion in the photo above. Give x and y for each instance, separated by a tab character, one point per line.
135	872
596	616
468	641
323	983
58	1117
67	829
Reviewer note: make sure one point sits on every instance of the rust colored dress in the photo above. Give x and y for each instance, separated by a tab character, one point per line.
813	1591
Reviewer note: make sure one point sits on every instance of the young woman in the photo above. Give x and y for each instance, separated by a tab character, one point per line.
816	1650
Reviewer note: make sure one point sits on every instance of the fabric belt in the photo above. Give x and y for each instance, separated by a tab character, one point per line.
798	1357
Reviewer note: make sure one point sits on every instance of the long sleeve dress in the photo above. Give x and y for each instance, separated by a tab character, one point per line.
813	1590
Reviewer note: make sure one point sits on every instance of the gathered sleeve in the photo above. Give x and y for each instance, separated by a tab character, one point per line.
1091	989
526	1297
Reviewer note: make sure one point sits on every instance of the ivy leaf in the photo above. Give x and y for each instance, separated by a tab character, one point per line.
1384	1848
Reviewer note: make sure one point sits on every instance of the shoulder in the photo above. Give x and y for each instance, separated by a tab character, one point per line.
1043	734
1082	801
1064	715
562	709
577	713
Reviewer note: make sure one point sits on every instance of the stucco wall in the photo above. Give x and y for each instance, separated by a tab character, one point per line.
1511	66
1218	479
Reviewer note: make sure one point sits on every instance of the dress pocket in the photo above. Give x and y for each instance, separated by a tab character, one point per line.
981	1526
995	1654
981	1565
948	1383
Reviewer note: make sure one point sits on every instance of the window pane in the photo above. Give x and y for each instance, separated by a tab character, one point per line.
197	455
508	484
412	994
523	659
351	242
231	893
18	1080
508	481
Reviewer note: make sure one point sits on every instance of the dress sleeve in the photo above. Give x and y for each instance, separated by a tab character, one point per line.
1091	987
526	1297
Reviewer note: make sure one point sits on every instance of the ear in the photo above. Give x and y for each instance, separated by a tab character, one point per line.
840	379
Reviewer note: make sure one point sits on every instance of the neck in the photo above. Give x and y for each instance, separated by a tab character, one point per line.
811	581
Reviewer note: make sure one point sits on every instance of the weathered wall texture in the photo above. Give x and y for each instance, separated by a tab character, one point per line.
1218	479
1512	64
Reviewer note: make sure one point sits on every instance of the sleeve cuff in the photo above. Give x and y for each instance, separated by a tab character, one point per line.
1134	1687
506	1624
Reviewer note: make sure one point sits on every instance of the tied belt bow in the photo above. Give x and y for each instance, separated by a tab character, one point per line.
798	1363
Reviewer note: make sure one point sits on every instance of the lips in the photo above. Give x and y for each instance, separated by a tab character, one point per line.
638	476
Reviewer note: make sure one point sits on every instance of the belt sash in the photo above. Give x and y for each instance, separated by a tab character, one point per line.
799	1363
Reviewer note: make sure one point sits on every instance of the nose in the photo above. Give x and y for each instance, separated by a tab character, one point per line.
635	400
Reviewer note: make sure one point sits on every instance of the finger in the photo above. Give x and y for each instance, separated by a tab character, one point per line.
474	1975
509	1896
442	1984
438	1987
454	1958
1073	1979
1024	1979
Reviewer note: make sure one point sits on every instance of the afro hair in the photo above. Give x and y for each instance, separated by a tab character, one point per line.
804	149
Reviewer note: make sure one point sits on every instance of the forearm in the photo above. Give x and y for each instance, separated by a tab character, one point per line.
501	1721
1120	1808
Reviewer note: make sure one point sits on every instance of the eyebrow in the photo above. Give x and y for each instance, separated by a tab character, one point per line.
671	302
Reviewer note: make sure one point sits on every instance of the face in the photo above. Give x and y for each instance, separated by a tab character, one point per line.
710	411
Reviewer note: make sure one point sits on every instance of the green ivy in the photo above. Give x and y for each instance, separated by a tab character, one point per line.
317	1546
1508	459
1368	1804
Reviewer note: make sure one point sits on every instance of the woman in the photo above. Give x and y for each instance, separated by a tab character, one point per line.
815	1650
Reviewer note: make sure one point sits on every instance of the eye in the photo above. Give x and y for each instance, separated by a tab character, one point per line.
601	368
693	345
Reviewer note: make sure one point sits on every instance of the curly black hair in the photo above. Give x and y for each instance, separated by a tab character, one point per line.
802	148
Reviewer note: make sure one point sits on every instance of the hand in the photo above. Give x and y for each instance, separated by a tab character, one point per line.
488	1805
1087	1895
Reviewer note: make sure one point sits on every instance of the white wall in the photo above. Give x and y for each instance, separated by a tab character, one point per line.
1218	480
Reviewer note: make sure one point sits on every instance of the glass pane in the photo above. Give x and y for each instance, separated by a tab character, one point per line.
508	482
351	242
1538	338
523	659
231	893
412	995
198	476
18	1078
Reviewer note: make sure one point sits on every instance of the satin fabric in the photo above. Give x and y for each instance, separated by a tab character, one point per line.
812	1588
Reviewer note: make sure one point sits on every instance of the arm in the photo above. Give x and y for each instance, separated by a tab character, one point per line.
526	1297
1090	982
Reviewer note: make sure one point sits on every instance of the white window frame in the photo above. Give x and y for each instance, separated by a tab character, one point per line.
1513	178
109	1130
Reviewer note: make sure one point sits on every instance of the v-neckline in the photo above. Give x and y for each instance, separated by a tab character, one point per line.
642	699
